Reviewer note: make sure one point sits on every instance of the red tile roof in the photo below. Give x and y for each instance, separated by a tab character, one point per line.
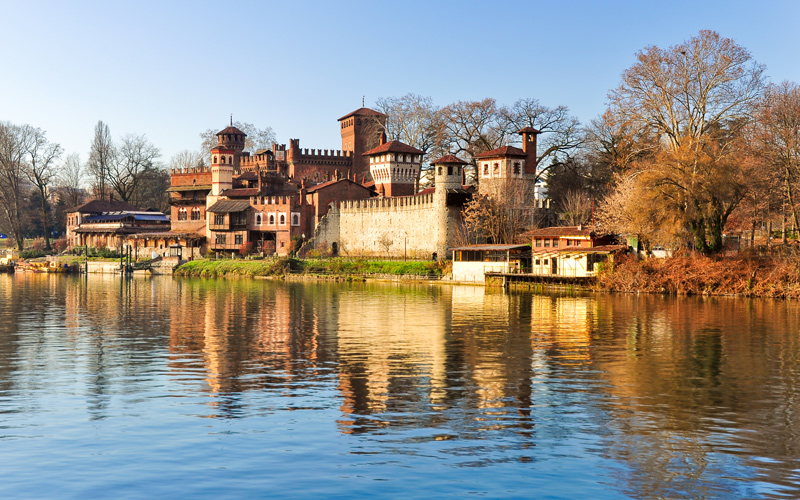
330	183
231	130
449	159
240	192
503	151
248	176
362	112
561	231
393	147
530	130
99	206
222	149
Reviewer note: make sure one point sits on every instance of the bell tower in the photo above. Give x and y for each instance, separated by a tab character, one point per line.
360	132
222	165
232	139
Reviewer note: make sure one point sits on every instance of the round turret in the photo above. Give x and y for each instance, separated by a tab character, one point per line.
448	172
231	138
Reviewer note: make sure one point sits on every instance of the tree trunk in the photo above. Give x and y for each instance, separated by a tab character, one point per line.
790	197
45	221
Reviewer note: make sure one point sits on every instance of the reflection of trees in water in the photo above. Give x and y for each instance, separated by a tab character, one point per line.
697	383
680	391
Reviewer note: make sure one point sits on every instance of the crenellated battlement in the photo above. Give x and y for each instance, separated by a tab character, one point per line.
397	203
316	154
190	170
272	201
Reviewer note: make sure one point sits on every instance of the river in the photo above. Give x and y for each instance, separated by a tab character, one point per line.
189	388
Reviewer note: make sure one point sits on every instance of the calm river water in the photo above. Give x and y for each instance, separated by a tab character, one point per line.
179	388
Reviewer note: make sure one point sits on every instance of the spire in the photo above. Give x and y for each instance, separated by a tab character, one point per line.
362	101
231	119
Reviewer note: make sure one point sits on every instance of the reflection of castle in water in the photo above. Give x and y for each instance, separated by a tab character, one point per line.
658	369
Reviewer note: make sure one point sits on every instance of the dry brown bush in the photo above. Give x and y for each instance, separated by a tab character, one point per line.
773	274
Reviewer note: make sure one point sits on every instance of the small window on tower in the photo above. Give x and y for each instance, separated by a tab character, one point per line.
223	160
516	168
440	170
215	159
449	170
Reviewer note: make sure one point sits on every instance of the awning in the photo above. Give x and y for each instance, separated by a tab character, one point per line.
229	206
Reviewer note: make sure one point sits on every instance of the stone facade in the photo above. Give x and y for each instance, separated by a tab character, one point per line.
363	199
421	226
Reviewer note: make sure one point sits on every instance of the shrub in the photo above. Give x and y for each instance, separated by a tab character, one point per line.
60	245
32	254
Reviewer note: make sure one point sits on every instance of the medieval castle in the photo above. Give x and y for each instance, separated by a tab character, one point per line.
364	199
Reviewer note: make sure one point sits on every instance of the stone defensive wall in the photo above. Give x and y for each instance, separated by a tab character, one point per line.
408	226
190	175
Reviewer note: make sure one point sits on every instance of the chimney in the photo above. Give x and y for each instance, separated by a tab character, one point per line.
529	147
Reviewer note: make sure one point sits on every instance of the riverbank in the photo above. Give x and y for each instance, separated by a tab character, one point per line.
318	268
766	275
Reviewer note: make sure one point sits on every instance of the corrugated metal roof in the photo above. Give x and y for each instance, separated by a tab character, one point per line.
197	187
515	246
229	206
156	217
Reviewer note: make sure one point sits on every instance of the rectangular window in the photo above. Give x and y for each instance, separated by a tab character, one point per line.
220	239
538	242
555	242
547	242
237	239
219	219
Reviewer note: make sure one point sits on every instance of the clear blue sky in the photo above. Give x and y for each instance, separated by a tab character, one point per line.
171	69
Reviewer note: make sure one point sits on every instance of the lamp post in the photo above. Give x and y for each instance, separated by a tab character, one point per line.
303	246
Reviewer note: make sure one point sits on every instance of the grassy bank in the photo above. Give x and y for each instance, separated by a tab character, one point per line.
315	267
770	275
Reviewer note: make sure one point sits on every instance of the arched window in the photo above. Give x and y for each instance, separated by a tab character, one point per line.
440	170
195	213
282	219
258	219
271	220
215	159
223	160
182	214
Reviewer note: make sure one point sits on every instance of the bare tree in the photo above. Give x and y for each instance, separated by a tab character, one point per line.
576	208
386	242
472	127
135	158
414	120
621	212
14	142
501	212
185	159
101	159
695	97
70	179
560	132
41	156
257	138
776	137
